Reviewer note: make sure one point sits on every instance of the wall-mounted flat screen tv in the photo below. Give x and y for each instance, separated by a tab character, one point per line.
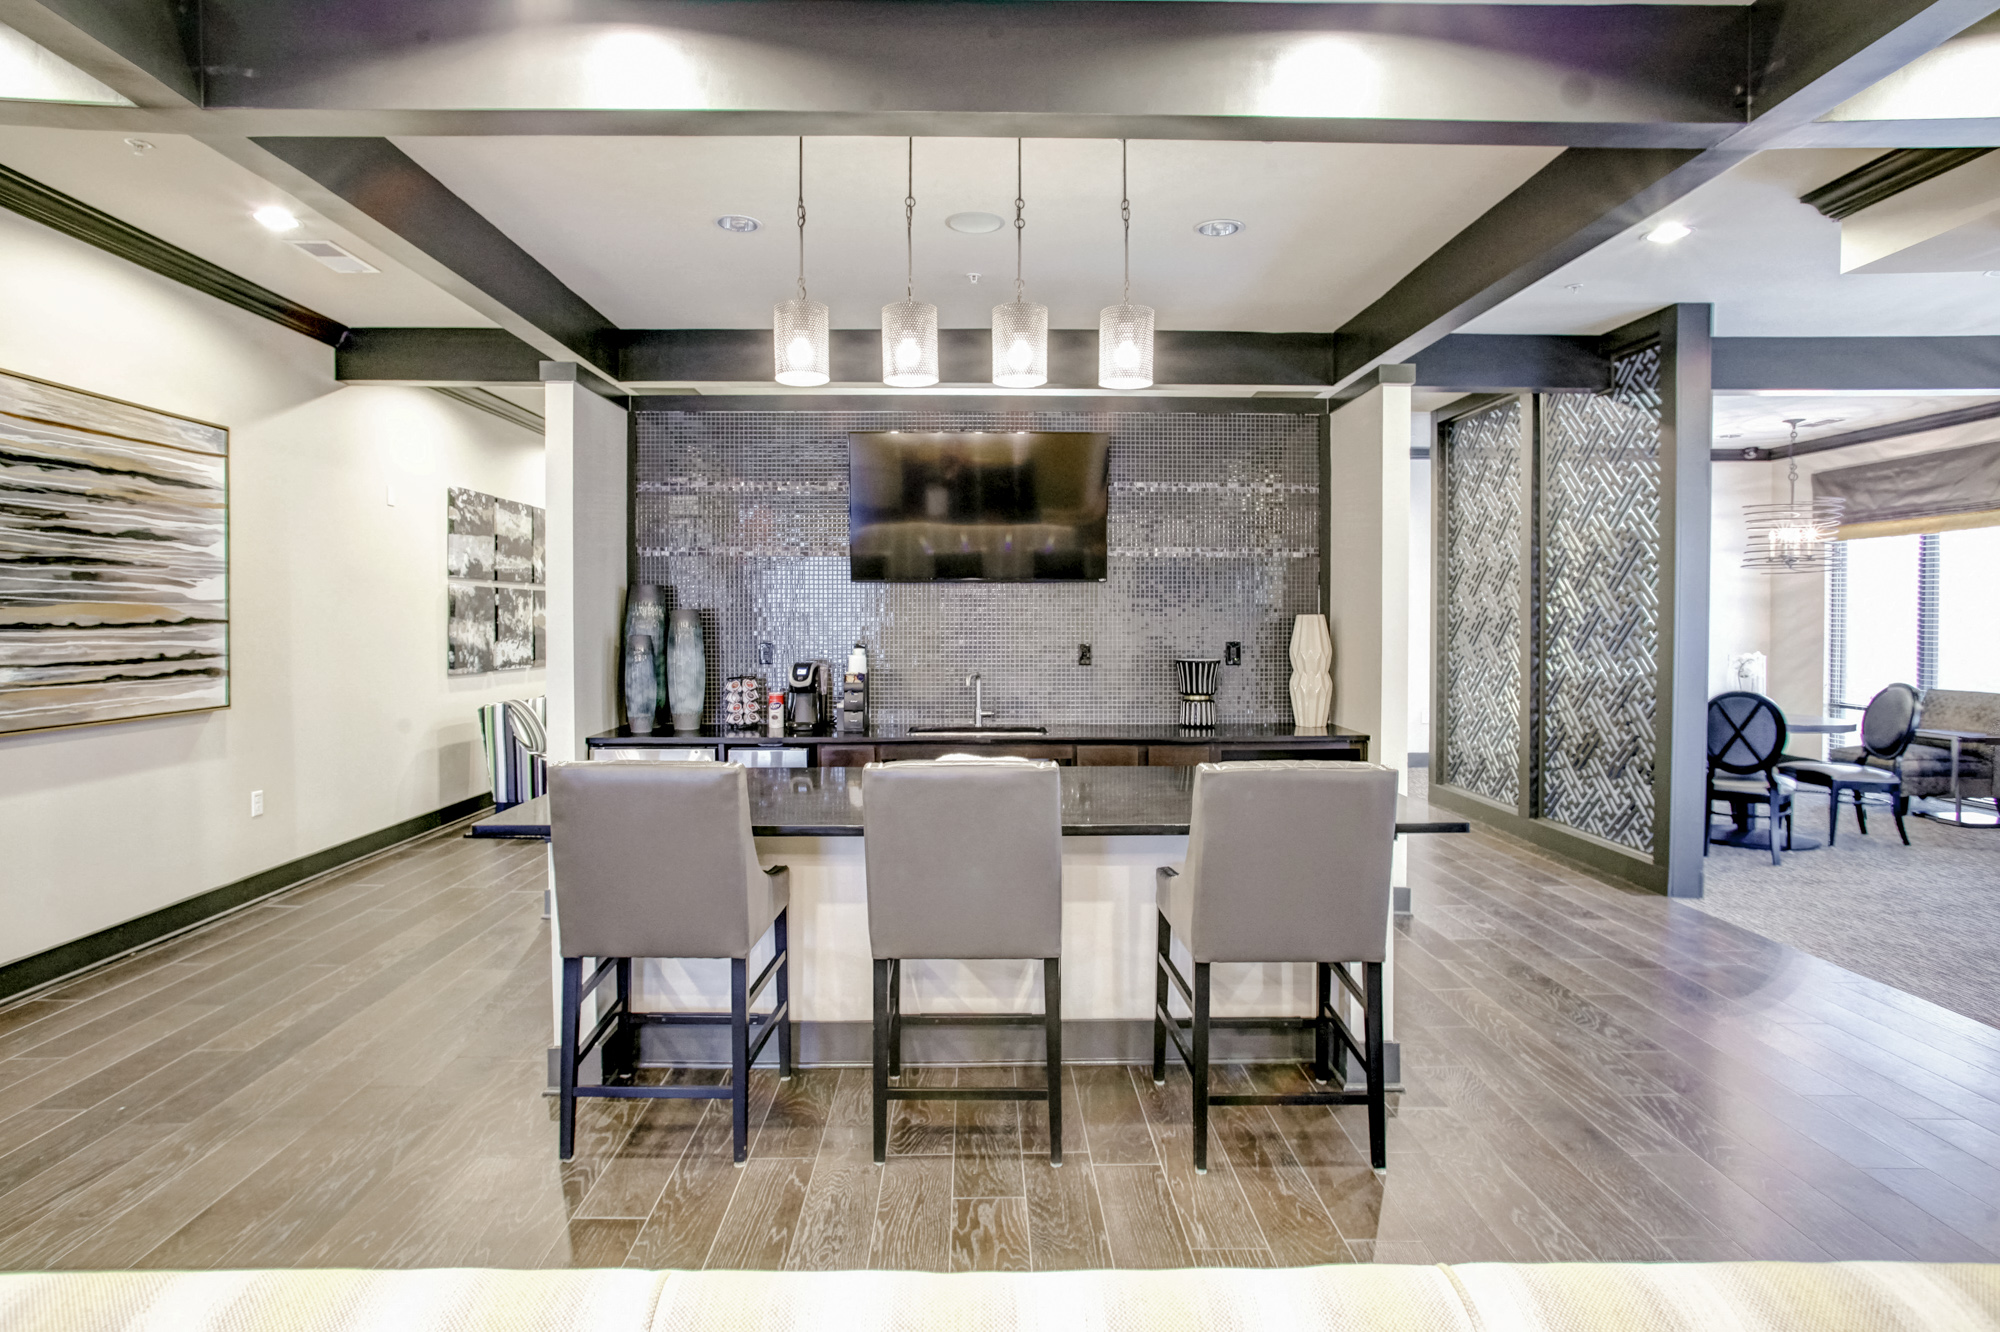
1018	506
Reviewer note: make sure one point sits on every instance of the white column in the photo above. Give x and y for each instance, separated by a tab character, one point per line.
587	553
1367	480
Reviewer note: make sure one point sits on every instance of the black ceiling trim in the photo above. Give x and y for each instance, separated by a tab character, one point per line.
493	404
436	356
52	208
1847	439
1885	177
382	181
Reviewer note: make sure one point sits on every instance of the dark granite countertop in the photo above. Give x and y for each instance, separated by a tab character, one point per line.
1091	733
1097	802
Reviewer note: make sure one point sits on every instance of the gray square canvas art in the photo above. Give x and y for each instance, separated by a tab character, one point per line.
468	541
513	542
470	629
515	635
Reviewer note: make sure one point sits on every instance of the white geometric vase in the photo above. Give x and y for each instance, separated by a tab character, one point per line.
1312	685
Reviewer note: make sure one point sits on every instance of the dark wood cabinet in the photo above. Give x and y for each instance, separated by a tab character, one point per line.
1176	756
1063	754
1110	756
847	756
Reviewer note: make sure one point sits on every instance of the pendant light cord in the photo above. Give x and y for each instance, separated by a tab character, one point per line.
802	217
909	225
1792	453
1019	224
1125	212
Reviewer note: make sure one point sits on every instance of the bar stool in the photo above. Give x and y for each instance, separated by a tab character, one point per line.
1287	862
655	860
964	861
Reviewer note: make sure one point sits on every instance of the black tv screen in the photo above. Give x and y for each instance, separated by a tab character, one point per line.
1017	506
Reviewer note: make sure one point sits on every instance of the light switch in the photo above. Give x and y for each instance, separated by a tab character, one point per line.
256	804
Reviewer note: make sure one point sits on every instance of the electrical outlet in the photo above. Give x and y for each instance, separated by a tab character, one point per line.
389	495
766	654
1083	654
256	804
1232	654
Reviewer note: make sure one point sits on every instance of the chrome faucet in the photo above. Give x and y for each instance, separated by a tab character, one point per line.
979	712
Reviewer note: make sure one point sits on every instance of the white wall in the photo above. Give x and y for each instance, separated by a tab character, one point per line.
341	711
1739	599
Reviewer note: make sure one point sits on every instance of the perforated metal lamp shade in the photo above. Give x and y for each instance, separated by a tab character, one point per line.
909	344
1795	537
799	342
1020	345
1125	347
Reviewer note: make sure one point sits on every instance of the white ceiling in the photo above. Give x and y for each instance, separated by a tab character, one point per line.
629	223
1769	264
1744	420
186	193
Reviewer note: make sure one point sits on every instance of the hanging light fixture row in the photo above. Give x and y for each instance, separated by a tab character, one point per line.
1020	326
1796	536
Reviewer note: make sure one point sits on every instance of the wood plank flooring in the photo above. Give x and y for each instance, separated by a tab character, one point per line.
351	1074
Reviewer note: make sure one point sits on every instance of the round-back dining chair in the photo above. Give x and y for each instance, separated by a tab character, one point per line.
1746	739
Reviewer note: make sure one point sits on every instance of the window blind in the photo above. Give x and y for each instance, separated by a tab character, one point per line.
1928	492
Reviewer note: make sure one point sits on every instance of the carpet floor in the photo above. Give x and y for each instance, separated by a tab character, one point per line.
1924	918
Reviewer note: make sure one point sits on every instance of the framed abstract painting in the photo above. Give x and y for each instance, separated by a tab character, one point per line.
114	559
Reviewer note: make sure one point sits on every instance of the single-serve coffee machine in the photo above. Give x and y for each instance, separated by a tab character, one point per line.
809	700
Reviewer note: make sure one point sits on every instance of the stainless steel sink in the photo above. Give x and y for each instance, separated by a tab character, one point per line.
972	732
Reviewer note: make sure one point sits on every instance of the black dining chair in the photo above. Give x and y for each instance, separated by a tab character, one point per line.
1888	727
1746	740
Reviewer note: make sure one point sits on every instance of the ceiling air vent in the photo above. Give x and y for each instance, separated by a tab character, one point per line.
339	260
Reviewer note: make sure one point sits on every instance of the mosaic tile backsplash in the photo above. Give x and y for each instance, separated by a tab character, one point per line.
1214	538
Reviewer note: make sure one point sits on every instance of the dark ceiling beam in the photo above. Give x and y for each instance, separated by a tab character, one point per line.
73	217
425	224
1868	365
1810	57
142	49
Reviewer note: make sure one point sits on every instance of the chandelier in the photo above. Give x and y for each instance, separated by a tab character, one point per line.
1798	535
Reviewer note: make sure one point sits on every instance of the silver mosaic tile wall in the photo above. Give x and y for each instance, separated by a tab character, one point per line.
1600	612
1483	464
1214	538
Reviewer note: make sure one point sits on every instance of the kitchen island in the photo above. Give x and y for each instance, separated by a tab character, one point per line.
1119	825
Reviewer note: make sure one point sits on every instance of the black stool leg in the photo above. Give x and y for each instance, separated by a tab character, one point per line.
572	999
739	1055
1378	1081
1900	805
881	1062
1832	816
1201	1068
1322	1032
621	1047
896	1018
782	941
1160	1002
1052	1021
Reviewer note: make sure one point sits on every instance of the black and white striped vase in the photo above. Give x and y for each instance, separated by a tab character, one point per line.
1199	678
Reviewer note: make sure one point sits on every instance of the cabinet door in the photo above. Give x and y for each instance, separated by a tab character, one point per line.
1110	756
1176	756
846	756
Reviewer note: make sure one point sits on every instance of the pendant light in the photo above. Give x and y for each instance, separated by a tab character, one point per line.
1020	327
798	326
1125	331
1798	535
910	326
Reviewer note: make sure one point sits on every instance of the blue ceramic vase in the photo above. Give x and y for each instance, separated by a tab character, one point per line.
645	625
642	700
687	670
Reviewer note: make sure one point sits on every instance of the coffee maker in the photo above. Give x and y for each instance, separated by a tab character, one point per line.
808	700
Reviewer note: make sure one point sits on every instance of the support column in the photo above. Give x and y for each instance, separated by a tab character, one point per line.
1367	483
589	548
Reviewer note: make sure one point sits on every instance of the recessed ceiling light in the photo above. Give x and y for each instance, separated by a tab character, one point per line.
275	218
1669	232
1573	286
139	147
738	223
1219	226
975	224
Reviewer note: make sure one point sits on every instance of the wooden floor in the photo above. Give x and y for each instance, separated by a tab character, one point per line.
351	1075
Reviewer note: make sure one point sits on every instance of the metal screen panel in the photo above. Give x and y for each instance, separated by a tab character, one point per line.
1483	518
1599	615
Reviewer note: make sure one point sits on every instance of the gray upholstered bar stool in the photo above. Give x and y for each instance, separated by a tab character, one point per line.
655	860
964	861
1287	862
